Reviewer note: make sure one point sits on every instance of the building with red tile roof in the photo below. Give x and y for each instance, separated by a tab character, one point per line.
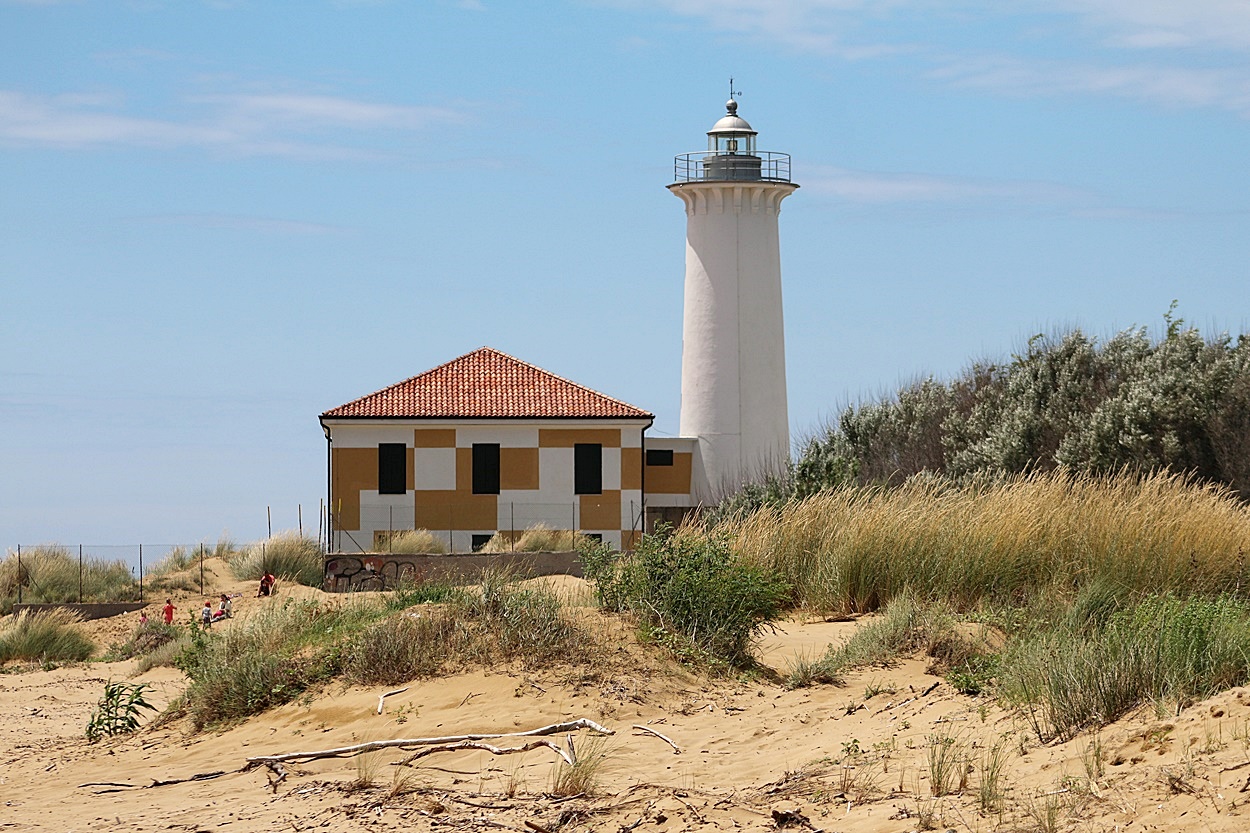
486	445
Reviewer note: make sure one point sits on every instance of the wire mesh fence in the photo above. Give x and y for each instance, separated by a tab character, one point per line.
109	573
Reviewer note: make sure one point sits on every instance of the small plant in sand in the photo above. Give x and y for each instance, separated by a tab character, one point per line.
948	763
990	786
582	777
118	711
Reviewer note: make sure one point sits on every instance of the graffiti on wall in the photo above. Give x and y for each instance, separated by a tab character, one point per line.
386	571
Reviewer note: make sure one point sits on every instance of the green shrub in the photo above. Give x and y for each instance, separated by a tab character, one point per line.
145	639
690	593
289	556
118	711
47	635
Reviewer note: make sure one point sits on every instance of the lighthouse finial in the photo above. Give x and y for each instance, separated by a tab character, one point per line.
734	95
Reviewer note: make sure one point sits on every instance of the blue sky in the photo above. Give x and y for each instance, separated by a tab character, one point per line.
218	219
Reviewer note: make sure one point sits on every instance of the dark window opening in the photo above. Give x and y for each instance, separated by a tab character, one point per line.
588	469
660	457
486	468
480	539
392	468
593	536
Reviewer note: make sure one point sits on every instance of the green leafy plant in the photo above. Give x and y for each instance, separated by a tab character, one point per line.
691	593
118	711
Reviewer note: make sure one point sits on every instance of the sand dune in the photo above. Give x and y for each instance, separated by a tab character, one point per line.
752	755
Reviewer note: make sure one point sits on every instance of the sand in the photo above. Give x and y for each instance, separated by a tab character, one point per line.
753	756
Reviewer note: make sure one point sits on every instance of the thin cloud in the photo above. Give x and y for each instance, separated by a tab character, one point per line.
1166	24
291	125
1187	45
873	187
1167	85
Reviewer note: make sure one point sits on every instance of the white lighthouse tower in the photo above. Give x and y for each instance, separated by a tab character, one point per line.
733	363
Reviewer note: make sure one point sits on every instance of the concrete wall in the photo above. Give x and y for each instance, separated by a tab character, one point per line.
348	573
87	611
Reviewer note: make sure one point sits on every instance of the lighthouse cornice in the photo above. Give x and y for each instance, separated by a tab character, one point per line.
732	197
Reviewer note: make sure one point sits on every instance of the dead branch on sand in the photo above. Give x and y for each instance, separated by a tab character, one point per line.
383	697
494	750
371	746
649	730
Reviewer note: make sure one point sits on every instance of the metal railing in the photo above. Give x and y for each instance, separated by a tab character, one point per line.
714	166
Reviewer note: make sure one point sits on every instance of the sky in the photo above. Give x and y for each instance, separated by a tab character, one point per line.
219	219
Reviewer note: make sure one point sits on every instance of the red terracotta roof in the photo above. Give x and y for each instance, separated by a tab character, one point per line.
487	384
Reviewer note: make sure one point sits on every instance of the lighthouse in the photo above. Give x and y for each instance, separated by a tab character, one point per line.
733	363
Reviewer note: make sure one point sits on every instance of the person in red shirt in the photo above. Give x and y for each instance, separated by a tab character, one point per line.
168	611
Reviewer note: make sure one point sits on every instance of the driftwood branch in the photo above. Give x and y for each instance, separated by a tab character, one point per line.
388	694
649	730
371	746
494	750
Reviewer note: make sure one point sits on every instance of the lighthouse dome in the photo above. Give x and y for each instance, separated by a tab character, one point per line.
731	122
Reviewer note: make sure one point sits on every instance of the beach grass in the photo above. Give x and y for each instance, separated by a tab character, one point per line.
44	636
1000	542
53	574
288	555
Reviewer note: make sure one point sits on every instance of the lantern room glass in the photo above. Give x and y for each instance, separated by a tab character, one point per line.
731	143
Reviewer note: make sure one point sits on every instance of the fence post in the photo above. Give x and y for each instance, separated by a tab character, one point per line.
141	572
512	522
80	573
201	568
21	579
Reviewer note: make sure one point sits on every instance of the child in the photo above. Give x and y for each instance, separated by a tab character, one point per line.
168	612
143	618
206	615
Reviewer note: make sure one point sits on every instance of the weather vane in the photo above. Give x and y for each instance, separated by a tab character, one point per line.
732	93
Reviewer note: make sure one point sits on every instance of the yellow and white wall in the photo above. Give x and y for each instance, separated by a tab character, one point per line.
535	480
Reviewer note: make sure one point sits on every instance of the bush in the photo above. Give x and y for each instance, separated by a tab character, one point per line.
46	635
145	639
690	593
288	555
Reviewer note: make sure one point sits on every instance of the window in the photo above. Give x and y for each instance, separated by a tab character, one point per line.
588	469
392	468
660	457
480	540
486	468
